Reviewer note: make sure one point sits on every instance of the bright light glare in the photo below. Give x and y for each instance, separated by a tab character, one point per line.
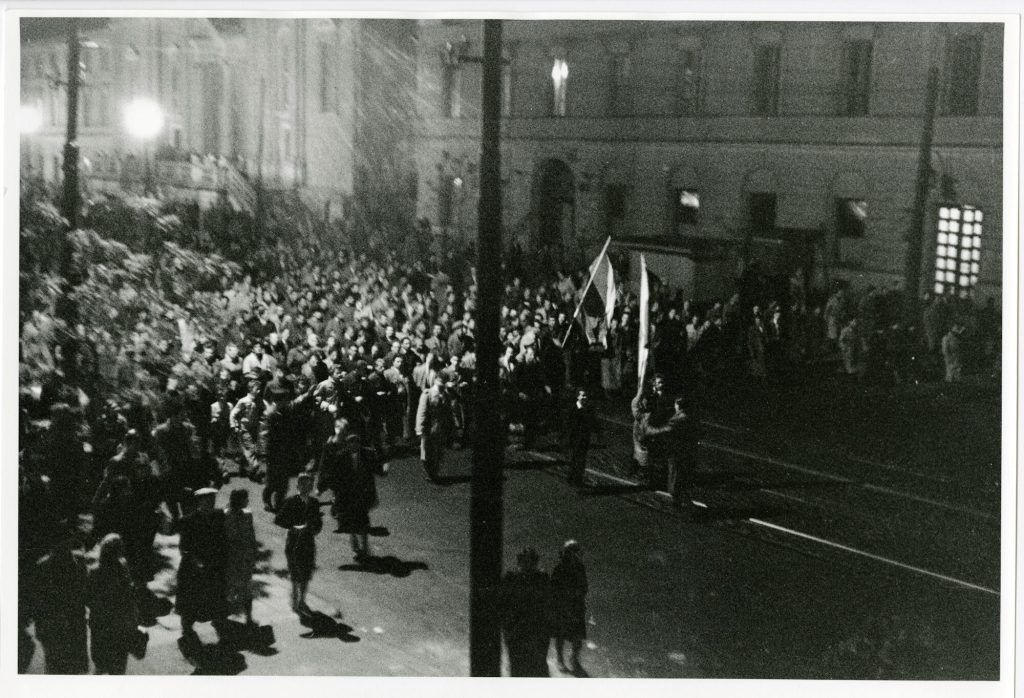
560	70
143	118
29	118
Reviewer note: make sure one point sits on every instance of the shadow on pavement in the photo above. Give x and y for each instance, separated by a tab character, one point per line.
530	464
611	490
386	565
239	636
220	659
322	625
379	531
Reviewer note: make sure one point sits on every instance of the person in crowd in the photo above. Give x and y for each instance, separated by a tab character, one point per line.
57	604
344	470
201	595
851	345
952	353
433	426
245	419
113	612
281	440
300	516
525	623
581	424
682	438
569	606
173	441
241	548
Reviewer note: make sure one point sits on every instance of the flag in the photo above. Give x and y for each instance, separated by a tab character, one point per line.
599	295
645	321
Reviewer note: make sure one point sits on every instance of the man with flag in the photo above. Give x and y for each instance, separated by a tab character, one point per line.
597	302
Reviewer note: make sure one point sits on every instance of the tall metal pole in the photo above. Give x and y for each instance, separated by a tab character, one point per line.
915	231
70	204
70	200
485	538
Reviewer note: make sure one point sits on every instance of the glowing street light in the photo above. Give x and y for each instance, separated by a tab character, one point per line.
143	118
30	118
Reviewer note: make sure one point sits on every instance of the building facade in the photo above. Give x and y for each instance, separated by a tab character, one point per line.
765	137
763	134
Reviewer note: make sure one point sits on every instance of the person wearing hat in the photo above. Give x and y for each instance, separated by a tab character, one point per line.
201	593
524	601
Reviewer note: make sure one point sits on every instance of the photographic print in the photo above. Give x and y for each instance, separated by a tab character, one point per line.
423	346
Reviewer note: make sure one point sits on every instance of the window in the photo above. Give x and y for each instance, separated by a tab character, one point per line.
766	79
688	99
761	213
857	77
104	106
619	92
686	207
958	250
963	73
451	89
559	78
325	77
176	86
285	85
85	108
446	199
615	196
851	218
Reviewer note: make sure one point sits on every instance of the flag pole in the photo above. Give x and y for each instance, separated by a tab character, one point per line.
586	288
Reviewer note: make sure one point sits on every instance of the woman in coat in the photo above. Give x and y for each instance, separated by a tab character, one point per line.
346	471
240	539
569	604
113	614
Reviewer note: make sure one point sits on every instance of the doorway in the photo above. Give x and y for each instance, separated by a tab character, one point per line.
555	212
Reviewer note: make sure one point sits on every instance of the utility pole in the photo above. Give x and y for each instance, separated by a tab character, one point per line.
486	504
918	216
70	205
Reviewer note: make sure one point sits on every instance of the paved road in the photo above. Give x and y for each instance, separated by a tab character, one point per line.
711	595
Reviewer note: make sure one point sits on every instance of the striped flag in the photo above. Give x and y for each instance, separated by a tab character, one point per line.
599	295
645	321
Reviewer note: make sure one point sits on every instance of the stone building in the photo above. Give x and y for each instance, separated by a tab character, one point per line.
795	141
792	143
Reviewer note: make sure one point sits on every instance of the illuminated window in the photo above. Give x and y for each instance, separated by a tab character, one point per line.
686	207
958	250
559	78
851	217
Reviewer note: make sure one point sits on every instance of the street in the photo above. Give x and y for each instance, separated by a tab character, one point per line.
774	573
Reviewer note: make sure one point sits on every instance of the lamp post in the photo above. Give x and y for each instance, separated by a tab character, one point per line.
144	119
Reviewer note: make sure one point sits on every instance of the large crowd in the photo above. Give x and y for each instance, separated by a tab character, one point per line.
340	362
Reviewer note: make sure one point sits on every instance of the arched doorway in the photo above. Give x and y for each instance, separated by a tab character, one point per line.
554	210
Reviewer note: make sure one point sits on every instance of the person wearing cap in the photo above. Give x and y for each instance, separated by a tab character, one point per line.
569	605
300	515
525	598
201	594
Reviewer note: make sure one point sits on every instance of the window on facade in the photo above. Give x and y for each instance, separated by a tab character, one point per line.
767	62
958	250
451	91
857	78
686	207
688	98
963	73
284	99
851	218
446	200
761	213
325	77
619	92
559	78
85	107
615	196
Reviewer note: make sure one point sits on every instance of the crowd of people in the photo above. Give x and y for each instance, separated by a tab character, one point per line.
333	366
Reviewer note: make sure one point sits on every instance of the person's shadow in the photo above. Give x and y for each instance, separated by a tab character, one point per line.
322	625
219	659
388	564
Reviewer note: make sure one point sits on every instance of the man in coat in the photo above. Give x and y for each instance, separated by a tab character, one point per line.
580	425
201	591
245	420
432	426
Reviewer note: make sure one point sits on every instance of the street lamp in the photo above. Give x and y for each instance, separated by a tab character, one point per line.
144	119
